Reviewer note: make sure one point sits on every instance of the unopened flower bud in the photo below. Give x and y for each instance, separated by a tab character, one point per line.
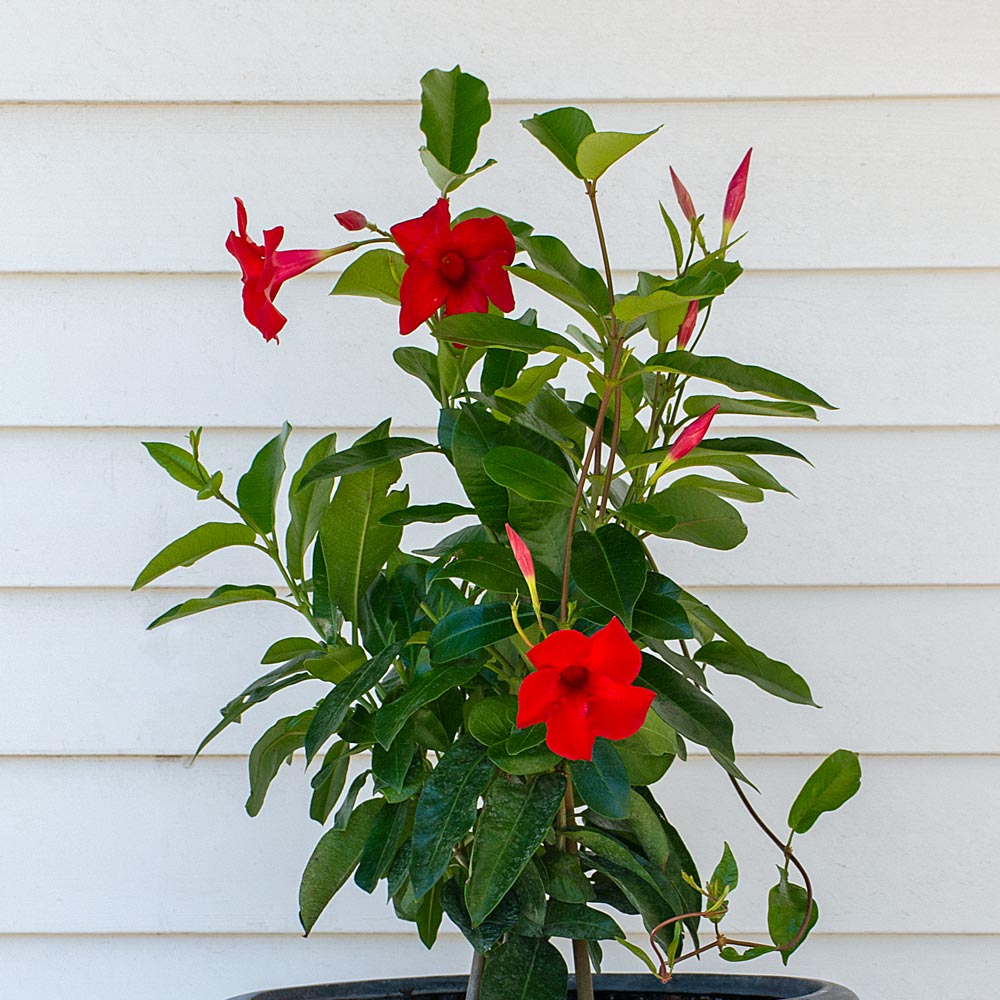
734	196
351	220
687	325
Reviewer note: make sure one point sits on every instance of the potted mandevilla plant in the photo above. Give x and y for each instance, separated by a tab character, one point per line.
516	690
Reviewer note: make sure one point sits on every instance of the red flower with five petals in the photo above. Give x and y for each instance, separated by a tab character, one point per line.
582	688
265	268
462	269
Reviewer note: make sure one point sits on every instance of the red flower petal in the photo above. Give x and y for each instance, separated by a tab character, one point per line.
248	255
568	730
613	654
421	293
291	263
415	236
478	238
559	650
467	297
489	274
620	710
535	697
261	313
691	436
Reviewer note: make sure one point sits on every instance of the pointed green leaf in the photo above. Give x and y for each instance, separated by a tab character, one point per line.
561	131
787	909
257	490
447	180
828	788
726	874
753	446
529	475
695	406
275	747
530	382
489	330
195	545
179	464
657	612
700	517
306	507
384	841
286	649
773	676
600	150
603	781
435	513
577	921
610	567
470	629
219	598
366	455
524	969
375	275
454	108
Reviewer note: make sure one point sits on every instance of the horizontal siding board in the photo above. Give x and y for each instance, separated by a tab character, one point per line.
378	50
168	848
834	184
88	508
873	343
873	656
200	967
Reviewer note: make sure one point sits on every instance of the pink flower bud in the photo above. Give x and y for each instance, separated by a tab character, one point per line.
351	220
521	554
691	436
683	198
687	325
735	194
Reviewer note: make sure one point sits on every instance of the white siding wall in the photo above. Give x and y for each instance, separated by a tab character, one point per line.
125	129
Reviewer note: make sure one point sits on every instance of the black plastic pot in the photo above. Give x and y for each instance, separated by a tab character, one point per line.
684	986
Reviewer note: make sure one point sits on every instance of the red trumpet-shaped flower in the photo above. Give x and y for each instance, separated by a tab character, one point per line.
683	198
582	688
735	194
462	269
687	325
265	268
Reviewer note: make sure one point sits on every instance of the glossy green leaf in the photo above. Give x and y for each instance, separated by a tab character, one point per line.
610	566
370	454
552	257
391	764
753	446
500	368
454	106
328	783
484	936
657	612
731	954
561	131
257	490
725	488
333	709
219	598
195	545
384	841
470	629
562	290
334	858
646	517
179	464
446	809
435	513
523	740
524	762
529	891
565	878
787	910
447	180
487	565
306	507
836	780
602	782
701	517
420	364
512	824
492	720
490	330
675	238
739	377
686	708
600	150
524	968
274	748
286	649
639	954
697	405
773	676
580	922
429	915
376	274
425	689
727	873
529	475
530	381
477	432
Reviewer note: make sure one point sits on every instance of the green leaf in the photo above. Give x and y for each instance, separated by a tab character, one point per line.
334	858
386	838
420	364
602	781
730	954
524	969
828	788
565	878
530	382
725	488
391	764
435	513
511	826
742	467
494	568
470	629
371	454
328	782
477	432
501	368
355	543
639	954
600	150
552	257
486	935
741	378
726	874
686	708
274	748
695	406
374	275
578	921
561	131
529	890
773	676
286	649
219	598
257	490
429	915
178	464
306	507
531	761
610	567
675	238
490	330
492	720
529	475
454	108
786	912
447	180
646	517
446	810
701	517
333	709
195	545
753	446
657	612
425	689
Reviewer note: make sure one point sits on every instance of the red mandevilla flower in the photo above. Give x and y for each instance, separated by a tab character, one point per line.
735	194
265	268
462	269
582	688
